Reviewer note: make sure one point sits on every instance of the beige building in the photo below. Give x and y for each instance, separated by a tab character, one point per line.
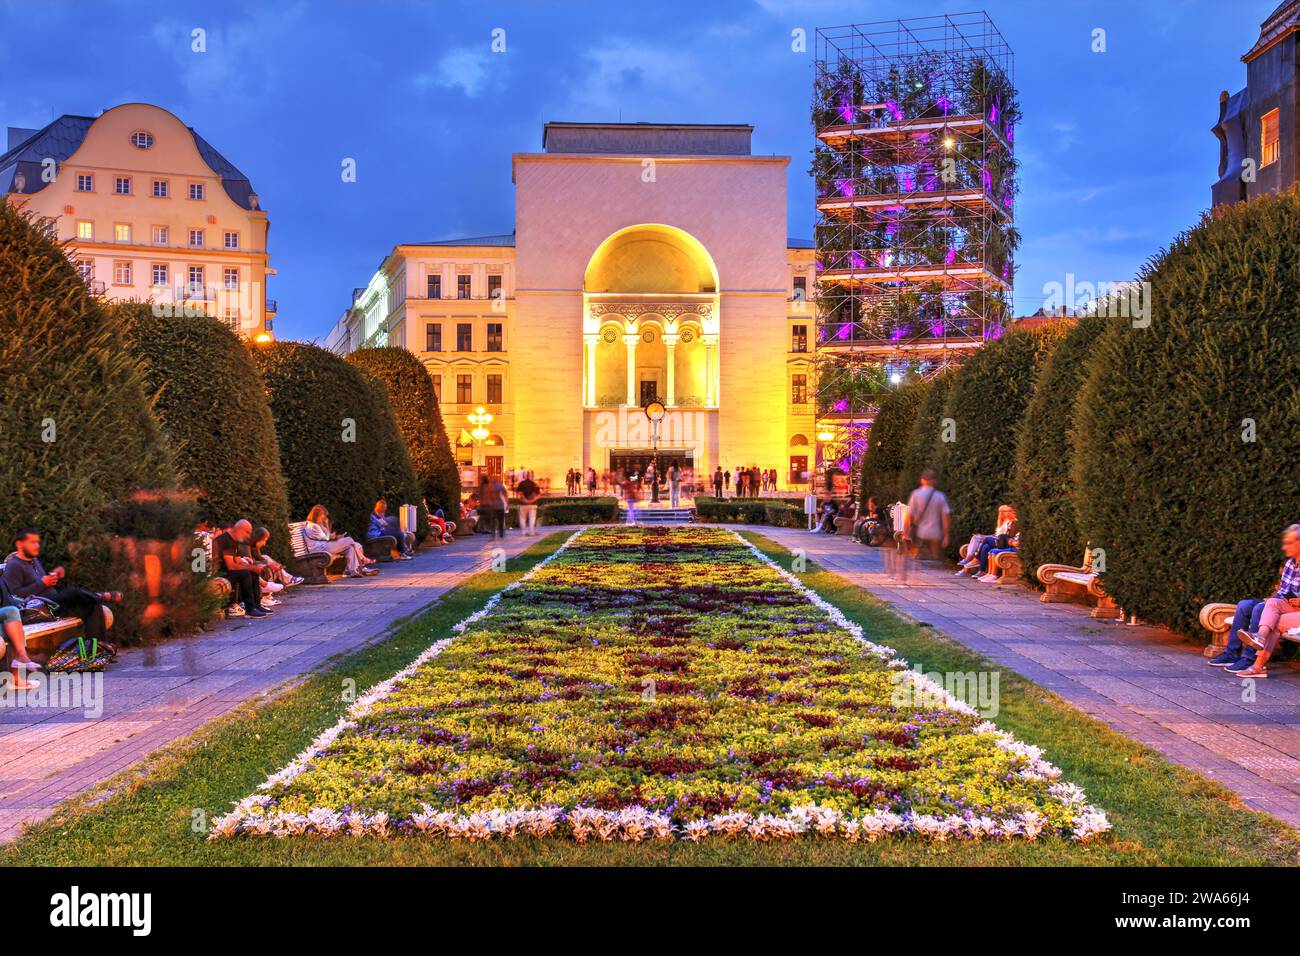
649	262
153	211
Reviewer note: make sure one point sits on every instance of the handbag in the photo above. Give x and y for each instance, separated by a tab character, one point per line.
39	610
74	656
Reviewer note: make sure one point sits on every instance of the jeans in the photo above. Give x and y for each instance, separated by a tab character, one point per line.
1246	618
528	519
675	493
246	587
78	602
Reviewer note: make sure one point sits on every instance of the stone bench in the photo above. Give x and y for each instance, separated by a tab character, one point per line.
314	566
1007	566
1217	619
1078	585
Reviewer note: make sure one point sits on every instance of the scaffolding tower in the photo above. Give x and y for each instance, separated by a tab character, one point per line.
915	176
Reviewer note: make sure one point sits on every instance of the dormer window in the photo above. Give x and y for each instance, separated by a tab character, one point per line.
142	140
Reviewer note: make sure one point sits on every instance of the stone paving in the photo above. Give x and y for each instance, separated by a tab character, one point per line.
1145	682
159	693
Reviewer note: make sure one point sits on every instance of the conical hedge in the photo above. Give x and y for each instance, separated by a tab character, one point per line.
334	430
1040	485
891	430
1187	432
985	407
76	427
925	432
415	406
213	406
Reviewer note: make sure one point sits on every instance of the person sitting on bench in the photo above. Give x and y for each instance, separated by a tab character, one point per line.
323	538
26	577
977	551
384	525
11	618
243	573
1281	611
275	571
872	527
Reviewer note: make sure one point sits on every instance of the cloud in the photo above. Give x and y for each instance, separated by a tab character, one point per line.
232	59
465	68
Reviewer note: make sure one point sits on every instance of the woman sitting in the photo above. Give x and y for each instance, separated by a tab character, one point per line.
322	538
275	576
384	525
872	526
11	620
976	562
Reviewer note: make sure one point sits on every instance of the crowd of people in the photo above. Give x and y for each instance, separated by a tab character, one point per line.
749	482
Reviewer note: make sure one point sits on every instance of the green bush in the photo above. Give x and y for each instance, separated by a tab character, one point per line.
398	483
415	406
212	403
581	511
1186	432
986	405
76	427
919	454
1040	484
335	432
882	465
773	511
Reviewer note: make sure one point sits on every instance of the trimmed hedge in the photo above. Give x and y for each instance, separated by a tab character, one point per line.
76	428
212	403
919	454
415	407
986	404
319	402
778	512
1040	485
882	465
1187	432
589	511
398	483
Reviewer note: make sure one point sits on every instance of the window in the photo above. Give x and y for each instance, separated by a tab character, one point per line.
798	338
161	189
230	315
231	240
801	288
464	337
1268	150
85	229
196	238
160	235
230	279
464	389
122	232
494	287
494	337
122	185
434	289
142	140
462	287
86	269
159	278
121	272
437	387
85	183
433	337
196	190
196	283
494	389
798	389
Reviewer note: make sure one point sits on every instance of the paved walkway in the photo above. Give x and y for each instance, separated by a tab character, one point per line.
1145	682
156	694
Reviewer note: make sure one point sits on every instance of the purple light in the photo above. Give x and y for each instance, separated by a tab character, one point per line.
893	109
932	183
842	405
856	260
951	257
844	331
994	113
845	187
884	258
944	104
936	329
987	178
846	109
907	182
1011	133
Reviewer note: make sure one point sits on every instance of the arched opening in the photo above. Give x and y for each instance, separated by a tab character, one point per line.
651	259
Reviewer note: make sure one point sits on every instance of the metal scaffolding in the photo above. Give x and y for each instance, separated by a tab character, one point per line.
915	177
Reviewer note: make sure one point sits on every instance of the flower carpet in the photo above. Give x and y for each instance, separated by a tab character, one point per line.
663	683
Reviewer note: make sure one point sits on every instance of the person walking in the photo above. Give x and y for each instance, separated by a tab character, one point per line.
501	504
717	482
528	492
928	524
674	485
591	482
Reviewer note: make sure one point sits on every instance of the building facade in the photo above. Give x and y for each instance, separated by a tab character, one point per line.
152	210
1258	149
649	262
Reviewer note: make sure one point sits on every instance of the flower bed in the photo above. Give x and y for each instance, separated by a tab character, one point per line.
652	683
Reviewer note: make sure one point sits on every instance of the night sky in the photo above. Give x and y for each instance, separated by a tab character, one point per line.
1116	150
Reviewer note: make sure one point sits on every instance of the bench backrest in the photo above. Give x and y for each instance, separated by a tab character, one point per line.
298	538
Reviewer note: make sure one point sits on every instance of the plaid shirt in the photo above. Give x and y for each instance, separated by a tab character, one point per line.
1290	579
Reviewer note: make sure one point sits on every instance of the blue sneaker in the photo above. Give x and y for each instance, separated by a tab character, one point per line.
1223	660
1240	665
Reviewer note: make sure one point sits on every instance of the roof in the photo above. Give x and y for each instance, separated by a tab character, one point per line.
792	243
648	139
503	239
63	137
1282	21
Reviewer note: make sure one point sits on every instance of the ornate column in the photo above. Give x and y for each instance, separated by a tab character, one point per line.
670	349
711	369
630	339
590	342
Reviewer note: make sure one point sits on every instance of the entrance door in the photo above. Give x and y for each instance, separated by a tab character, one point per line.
495	465
649	391
798	466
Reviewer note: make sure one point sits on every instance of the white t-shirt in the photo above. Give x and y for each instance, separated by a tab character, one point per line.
926	507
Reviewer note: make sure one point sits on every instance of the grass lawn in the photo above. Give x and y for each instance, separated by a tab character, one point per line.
1161	814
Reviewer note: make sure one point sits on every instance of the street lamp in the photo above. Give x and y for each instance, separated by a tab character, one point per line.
655	411
480	418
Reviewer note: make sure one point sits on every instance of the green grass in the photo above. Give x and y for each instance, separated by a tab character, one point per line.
1162	814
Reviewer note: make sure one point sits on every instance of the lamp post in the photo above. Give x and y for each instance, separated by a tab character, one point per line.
655	412
480	418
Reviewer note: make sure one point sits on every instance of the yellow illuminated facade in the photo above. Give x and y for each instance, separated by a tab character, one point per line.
648	263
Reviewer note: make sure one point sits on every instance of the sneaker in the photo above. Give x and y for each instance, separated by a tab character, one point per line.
1251	638
988	579
270	602
1240	664
265	609
1223	660
235	610
257	612
961	572
1253	672
294	581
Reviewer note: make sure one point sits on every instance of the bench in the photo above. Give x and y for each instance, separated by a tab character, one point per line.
43	639
1217	619
1078	585
1007	565
314	566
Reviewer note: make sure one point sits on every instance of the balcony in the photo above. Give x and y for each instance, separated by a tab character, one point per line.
270	307
901	131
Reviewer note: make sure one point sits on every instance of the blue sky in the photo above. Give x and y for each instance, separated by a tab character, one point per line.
1116	152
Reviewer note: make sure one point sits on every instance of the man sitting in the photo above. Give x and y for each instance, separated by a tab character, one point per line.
26	577
1280	613
384	525
243	572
